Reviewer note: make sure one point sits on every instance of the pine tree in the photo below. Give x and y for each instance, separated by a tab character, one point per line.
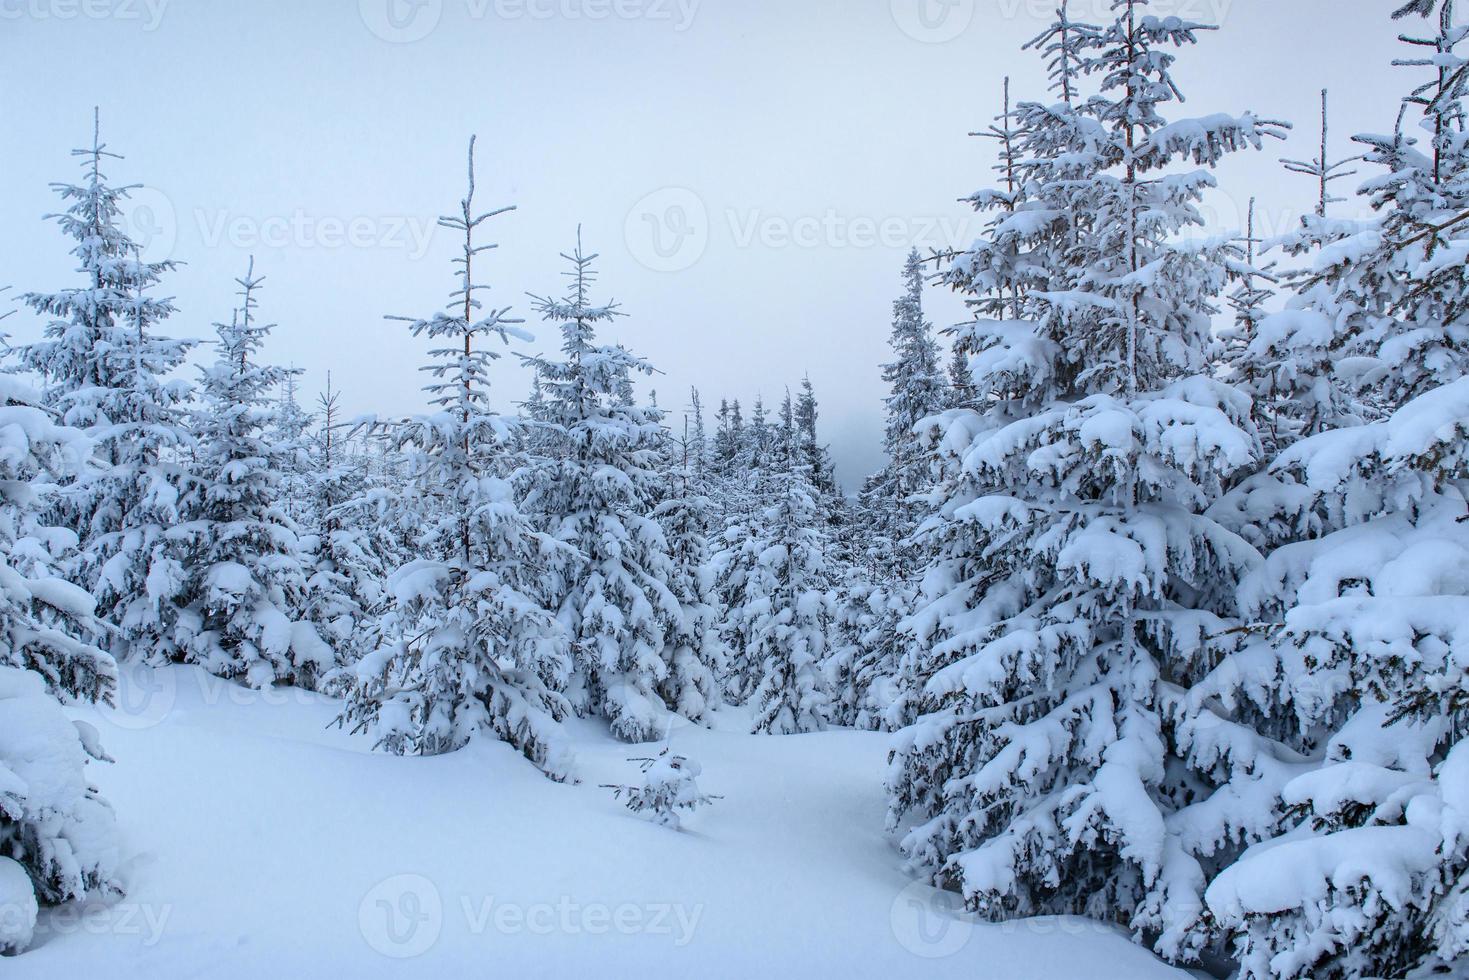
1386	292
695	653
1346	676
57	836
917	391
1351	688
1239	358
107	373
595	493
1291	361
1076	570
289	435
349	555
697	442
467	647
745	489
877	591
246	572
810	451
785	610
869	647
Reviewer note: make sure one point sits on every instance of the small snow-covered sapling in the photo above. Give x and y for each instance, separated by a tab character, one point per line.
669	785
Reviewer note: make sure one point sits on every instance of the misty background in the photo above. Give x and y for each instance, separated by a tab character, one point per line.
753	172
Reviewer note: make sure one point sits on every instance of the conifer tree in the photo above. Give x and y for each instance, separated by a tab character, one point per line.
290	438
107	372
917	391
1292	362
1076	569
595	493
57	836
785	610
466	646
245	569
349	553
1345	676
695	651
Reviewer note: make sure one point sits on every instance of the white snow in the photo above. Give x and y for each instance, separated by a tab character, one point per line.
360	864
17	906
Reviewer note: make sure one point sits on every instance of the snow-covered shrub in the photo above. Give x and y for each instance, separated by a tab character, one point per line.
57	837
52	823
670	783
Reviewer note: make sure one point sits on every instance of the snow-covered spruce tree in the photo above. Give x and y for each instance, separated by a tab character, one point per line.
697	441
1002	368
917	390
1383	292
348	549
594	493
810	452
1238	356
48	622
1291	362
785	608
1361	686
761	453
695	652
245	570
1415	327
1077	572
467	647
107	372
728	438
56	834
1354	659
868	650
291	440
878	588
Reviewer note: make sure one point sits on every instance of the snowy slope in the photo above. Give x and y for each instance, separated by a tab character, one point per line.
260	841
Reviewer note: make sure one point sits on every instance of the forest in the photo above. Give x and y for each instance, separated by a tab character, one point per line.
1161	599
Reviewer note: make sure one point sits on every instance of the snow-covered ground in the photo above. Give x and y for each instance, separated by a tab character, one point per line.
260	841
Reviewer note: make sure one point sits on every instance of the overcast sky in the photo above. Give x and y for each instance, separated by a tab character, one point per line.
752	171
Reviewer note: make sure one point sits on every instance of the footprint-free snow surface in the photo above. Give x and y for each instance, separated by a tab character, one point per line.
261	841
